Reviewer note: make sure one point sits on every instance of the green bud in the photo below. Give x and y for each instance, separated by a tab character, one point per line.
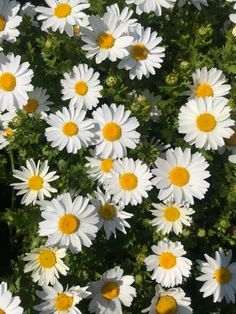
138	279
186	233
171	79
201	233
184	65
111	80
205	30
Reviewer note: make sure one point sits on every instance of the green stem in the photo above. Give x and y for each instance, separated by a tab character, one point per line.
13	197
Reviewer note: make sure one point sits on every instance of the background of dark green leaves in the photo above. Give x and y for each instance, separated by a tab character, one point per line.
192	39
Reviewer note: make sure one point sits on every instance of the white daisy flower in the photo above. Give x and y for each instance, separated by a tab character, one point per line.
124	16
116	131
208	83
82	87
155	6
219	276
35	183
111	291
99	169
206	122
129	182
38	102
170	301
196	3
232	158
62	15
168	264
9	20
171	216
46	264
232	17
145	54
69	224
6	132
15	81
8	303
107	39
69	128
112	217
181	176
57	300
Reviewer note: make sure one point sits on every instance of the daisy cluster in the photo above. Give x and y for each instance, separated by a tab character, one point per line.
108	134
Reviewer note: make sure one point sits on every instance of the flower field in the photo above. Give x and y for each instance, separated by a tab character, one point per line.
117	156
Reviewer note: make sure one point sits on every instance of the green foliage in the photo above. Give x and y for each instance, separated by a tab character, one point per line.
192	39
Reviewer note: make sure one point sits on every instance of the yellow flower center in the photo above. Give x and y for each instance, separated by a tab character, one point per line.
128	181
179	176
107	211
63	302
204	90
232	140
105	41
110	290
70	129
166	305
31	106
2	312
35	183
2	27
139	52
81	88
106	165
171	214
167	260
111	131
8	132
62	10
7	82
222	275
206	122
47	258
68	224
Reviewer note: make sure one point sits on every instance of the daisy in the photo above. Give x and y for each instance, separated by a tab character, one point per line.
38	102
206	122
69	128
232	158
155	6
111	215
9	20
99	169
111	291
168	264
208	83
82	87
129	182
124	16
57	300
233	16
170	301
69	224
15	81
145	54
196	3
8	303
107	39
35	183
116	131
219	276
62	15
181	175
171	216
46	264
6	132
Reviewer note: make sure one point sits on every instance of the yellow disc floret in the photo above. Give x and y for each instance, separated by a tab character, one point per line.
111	131
179	176
62	10
2	23
68	224
206	122
106	165
81	88
63	302
47	258
128	181
110	290
107	211
70	129
171	214
105	41
166	305
222	275
31	106
35	183
167	260
204	90
139	52
7	81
